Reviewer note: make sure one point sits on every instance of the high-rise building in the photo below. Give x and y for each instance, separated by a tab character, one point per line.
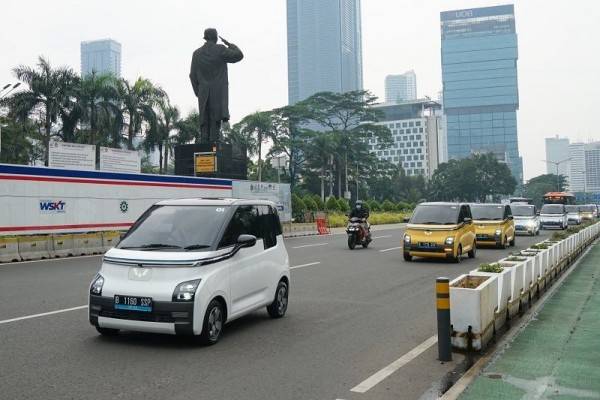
417	136
557	151
101	56
399	88
584	167
577	167
480	90
592	168
324	47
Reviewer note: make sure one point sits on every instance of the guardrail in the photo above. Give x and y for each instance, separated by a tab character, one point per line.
482	302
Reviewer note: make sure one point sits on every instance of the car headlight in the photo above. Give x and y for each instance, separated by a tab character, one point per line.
449	241
97	283
406	238
531	224
185	291
498	232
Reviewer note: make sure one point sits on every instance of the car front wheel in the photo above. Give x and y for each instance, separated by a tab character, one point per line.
473	250
279	305
213	323
458	257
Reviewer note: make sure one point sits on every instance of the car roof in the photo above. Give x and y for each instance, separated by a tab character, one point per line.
489	204
214	201
441	203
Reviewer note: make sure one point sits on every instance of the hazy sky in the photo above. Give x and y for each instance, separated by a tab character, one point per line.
559	51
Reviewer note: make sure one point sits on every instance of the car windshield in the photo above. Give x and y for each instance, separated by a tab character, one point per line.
552	209
176	228
435	215
587	208
487	212
523	211
572	209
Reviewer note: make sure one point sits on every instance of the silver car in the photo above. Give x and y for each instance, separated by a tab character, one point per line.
527	220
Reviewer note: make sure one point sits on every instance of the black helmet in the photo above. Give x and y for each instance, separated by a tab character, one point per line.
358	203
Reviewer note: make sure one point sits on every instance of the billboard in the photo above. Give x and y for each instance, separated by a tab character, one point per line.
72	156
278	193
119	160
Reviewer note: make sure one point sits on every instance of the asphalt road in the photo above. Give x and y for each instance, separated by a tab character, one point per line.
351	314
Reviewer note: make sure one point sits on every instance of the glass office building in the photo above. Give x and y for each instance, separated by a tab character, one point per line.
324	47
480	89
101	56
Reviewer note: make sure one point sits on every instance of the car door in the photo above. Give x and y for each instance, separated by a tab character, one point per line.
510	223
465	228
246	268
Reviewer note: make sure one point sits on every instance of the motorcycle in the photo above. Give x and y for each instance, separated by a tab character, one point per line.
357	233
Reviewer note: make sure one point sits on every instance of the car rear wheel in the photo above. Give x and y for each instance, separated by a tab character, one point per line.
512	242
279	305
407	256
107	331
473	250
213	323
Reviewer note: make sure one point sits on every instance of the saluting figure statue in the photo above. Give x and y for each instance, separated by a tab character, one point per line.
209	80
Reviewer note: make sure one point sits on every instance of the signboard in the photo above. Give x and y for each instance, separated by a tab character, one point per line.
205	162
119	160
278	193
72	156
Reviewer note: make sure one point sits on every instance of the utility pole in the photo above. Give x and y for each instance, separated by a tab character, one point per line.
557	163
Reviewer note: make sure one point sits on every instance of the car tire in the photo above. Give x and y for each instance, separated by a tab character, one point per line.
537	233
512	242
107	331
407	257
473	252
212	327
279	305
458	257
505	243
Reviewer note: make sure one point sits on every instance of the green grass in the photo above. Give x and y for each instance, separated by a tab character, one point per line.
495	268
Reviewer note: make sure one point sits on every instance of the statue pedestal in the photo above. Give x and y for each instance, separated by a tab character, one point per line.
220	160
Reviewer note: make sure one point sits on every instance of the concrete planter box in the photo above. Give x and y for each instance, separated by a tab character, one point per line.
517	284
504	285
473	302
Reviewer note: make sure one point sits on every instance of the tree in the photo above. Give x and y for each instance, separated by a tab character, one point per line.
310	203
16	145
388	206
298	207
256	129
537	187
332	204
344	206
48	92
319	202
188	129
167	120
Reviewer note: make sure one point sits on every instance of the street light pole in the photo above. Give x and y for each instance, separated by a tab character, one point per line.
16	85
557	163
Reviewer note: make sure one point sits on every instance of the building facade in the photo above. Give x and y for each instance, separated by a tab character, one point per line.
584	168
557	150
480	89
101	56
400	88
324	47
417	136
576	167
592	167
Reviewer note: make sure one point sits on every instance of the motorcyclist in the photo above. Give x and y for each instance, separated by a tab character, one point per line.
361	211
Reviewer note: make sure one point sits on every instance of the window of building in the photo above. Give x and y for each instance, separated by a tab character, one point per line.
411	124
415	130
404	124
418	123
421	130
411	137
419	164
418	151
418	137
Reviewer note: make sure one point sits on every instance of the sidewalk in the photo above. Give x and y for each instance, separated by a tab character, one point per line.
557	356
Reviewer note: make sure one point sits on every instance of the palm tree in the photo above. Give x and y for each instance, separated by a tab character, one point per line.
137	104
167	121
97	94
259	127
49	92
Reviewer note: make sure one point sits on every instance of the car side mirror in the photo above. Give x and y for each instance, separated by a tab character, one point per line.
405	220
246	241
511	217
467	220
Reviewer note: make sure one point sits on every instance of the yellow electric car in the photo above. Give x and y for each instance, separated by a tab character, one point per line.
588	212
494	225
440	230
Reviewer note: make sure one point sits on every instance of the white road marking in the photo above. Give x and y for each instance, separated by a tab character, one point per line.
383	373
48	260
306	265
393	248
310	245
6	321
381	237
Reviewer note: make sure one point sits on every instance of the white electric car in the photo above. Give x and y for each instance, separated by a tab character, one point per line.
526	218
189	266
554	216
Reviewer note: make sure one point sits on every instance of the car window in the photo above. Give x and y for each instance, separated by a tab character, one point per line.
269	233
435	214
523	211
488	212
553	209
245	221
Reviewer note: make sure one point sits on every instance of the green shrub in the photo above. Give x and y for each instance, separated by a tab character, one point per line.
298	207
514	258
374	205
539	246
318	202
402	206
332	204
495	268
337	220
343	205
388	206
310	203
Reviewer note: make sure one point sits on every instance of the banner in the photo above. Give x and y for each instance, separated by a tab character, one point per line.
278	193
72	156
119	160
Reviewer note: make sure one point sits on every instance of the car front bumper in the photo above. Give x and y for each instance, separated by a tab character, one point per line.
166	317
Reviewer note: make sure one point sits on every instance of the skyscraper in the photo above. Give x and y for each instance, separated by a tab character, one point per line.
557	150
399	88
479	73
324	47
101	56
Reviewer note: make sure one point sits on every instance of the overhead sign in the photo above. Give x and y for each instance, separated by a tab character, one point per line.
119	160
72	156
205	162
278	193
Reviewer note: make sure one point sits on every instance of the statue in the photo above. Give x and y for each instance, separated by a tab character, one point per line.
208	75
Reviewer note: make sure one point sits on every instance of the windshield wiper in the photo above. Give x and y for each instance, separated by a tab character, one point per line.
196	247
153	246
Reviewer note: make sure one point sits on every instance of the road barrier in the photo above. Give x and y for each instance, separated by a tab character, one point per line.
442	293
300	229
87	243
110	239
34	247
9	249
62	246
482	302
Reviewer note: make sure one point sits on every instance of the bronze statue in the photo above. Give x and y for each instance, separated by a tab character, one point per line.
209	81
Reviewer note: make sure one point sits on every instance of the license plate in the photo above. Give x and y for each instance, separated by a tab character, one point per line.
133	303
427	245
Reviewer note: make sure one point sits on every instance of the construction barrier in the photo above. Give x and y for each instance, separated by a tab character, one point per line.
34	247
62	246
300	229
110	239
87	243
323	225
9	249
